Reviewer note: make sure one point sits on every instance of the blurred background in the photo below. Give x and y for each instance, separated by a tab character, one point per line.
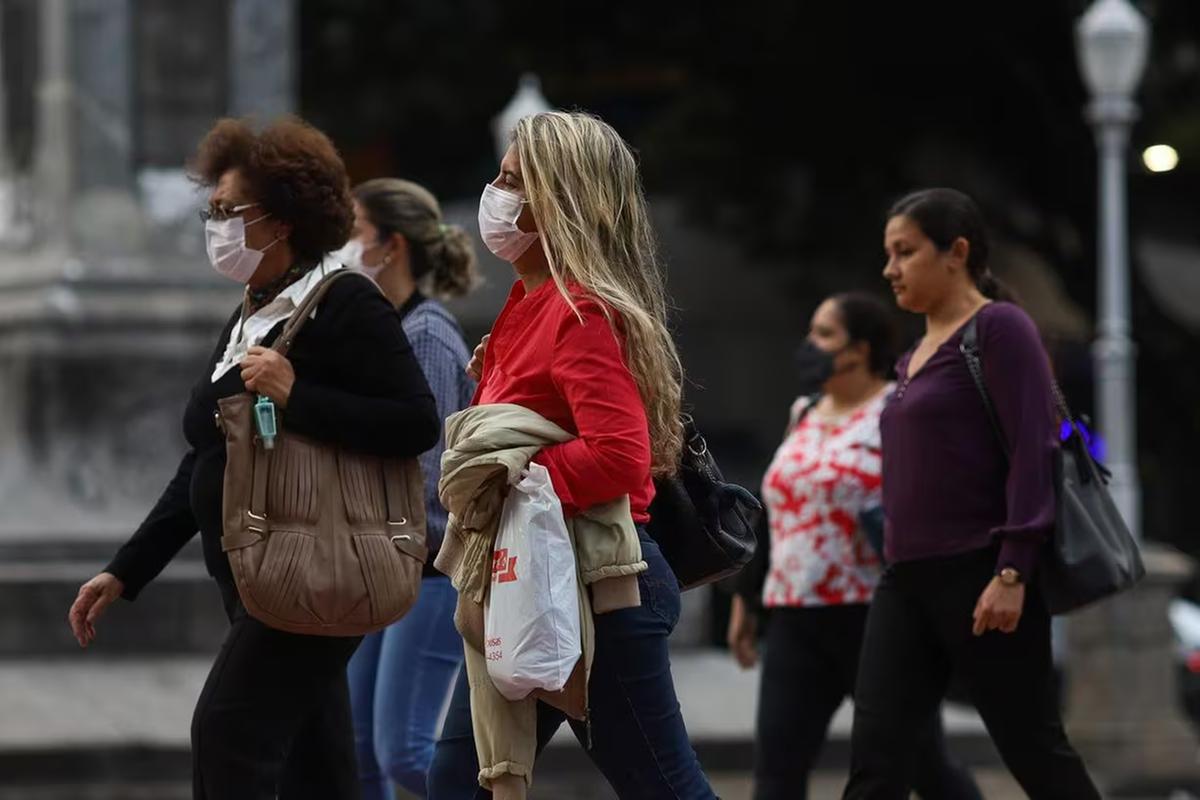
773	136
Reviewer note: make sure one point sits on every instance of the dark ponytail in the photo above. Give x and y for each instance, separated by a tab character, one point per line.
993	288
442	257
868	319
945	215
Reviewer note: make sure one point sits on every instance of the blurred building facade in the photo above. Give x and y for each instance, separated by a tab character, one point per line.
106	309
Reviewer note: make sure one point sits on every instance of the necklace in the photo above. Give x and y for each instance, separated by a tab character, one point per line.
257	298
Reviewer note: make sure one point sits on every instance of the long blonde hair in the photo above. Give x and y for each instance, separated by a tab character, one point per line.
582	183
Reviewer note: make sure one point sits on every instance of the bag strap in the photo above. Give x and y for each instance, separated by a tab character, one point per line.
813	399
301	315
970	351
258	491
258	488
972	354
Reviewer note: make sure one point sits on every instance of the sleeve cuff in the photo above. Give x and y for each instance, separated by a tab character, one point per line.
1020	555
546	458
612	594
298	403
133	586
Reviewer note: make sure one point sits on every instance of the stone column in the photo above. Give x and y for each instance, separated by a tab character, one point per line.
9	231
102	70
54	157
1124	714
84	166
262	75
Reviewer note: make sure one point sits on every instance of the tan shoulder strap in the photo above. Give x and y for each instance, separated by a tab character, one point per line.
301	314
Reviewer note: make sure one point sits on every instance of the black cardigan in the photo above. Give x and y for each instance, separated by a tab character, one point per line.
357	385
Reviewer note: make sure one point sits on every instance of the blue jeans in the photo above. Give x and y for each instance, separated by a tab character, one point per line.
639	741
399	679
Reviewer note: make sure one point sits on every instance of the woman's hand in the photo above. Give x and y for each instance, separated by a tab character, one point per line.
94	597
743	633
266	372
475	365
999	607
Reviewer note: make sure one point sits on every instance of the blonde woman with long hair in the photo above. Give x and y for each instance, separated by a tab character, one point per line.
583	342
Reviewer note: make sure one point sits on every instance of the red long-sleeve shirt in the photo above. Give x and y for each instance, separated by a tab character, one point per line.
573	373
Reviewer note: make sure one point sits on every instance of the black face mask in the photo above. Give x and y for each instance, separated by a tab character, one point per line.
814	367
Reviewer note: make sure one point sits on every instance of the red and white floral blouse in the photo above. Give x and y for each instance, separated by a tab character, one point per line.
826	472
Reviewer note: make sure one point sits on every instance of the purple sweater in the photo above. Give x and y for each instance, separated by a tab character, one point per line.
947	488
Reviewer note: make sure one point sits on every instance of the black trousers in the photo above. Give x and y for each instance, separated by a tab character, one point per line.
810	661
918	633
273	719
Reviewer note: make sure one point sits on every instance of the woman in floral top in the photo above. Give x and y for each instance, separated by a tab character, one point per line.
824	475
821	492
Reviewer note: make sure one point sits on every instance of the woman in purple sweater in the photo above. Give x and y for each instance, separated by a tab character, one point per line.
964	522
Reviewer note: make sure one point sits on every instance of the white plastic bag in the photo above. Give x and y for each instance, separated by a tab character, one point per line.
532	619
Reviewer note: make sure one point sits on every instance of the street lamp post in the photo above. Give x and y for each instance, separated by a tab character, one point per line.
1112	42
527	100
1125	715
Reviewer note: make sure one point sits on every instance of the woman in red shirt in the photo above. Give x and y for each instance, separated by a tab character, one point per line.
583	342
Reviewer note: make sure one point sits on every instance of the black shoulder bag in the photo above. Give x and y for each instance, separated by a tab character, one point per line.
1092	554
704	526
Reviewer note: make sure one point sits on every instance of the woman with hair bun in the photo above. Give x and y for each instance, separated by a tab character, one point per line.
966	519
400	676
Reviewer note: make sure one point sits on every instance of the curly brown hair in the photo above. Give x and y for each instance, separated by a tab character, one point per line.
294	172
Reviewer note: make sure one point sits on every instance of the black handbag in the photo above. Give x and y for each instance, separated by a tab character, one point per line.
703	525
1092	555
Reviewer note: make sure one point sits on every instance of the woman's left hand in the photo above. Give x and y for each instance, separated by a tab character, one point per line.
999	607
266	372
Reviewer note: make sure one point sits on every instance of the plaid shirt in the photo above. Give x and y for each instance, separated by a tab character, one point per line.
437	341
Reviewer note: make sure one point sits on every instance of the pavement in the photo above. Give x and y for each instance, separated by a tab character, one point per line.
825	786
147	702
94	727
97	727
112	722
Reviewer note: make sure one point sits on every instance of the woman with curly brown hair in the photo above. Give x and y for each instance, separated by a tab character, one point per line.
273	719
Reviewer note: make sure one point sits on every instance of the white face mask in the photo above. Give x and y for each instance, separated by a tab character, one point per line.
225	241
498	212
351	257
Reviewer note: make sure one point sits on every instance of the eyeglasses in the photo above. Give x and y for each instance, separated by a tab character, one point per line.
220	213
